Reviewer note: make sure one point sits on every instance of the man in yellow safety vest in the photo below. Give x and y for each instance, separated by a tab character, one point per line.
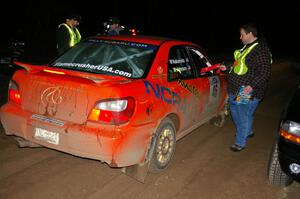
247	82
67	34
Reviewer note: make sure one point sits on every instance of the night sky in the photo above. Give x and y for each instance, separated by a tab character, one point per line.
213	25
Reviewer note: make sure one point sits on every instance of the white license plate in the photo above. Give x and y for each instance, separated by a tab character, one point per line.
45	135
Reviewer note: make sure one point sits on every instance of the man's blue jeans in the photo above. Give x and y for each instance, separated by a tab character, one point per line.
242	116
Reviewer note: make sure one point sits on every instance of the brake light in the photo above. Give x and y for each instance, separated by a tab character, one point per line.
14	93
53	71
113	111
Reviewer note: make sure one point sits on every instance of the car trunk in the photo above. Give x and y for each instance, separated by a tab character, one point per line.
68	98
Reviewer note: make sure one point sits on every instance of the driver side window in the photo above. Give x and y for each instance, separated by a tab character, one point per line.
200	62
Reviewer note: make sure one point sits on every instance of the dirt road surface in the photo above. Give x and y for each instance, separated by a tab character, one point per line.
203	166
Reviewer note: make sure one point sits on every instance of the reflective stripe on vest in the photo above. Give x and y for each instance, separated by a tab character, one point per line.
75	36
240	67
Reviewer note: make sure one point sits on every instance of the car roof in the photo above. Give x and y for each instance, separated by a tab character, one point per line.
152	40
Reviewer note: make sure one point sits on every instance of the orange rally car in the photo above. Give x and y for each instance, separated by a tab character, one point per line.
123	100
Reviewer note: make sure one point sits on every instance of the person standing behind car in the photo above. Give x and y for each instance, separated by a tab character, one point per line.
67	34
249	75
114	26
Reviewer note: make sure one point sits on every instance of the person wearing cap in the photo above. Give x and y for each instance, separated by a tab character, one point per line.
67	34
114	26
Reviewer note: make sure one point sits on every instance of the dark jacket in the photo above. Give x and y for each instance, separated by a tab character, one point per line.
63	39
258	62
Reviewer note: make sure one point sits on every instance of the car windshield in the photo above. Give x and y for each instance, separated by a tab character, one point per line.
121	58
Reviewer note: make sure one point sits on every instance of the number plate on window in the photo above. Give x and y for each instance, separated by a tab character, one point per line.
45	135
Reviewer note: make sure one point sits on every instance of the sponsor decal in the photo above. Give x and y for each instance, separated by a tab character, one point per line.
50	98
51	95
214	83
170	97
160	74
160	70
94	67
177	61
180	69
190	88
163	93
132	44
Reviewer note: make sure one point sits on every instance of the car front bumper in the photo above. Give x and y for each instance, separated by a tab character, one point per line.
289	153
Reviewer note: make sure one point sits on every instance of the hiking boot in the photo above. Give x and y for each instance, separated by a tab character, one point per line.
236	148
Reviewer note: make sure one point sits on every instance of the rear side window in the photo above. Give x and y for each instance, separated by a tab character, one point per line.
179	65
120	58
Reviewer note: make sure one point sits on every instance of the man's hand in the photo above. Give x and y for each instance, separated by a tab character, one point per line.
222	67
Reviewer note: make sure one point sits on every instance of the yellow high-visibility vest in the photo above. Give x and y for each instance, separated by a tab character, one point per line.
75	36
240	67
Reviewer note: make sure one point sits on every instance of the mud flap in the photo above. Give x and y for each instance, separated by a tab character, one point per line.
138	172
25	143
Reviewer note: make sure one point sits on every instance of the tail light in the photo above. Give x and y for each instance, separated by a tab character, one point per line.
14	93
113	111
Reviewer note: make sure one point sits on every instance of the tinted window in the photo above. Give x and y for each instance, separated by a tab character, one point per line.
126	59
179	65
199	60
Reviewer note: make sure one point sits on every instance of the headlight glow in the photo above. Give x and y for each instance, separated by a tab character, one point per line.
291	127
291	131
295	128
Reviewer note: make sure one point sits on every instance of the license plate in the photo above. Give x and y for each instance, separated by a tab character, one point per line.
45	135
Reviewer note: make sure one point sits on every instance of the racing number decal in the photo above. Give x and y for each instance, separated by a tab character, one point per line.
214	84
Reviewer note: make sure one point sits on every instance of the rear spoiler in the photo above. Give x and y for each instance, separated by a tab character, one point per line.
90	76
27	66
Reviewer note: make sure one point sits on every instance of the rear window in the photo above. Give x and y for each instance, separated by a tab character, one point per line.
121	58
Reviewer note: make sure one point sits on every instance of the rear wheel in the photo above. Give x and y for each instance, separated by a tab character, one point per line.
164	146
275	173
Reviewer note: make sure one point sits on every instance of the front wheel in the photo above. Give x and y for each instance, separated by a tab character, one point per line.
275	173
164	146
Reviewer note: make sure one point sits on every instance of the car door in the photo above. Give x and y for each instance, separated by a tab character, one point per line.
182	80
207	83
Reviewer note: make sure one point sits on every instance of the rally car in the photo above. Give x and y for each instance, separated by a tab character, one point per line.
123	100
284	162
